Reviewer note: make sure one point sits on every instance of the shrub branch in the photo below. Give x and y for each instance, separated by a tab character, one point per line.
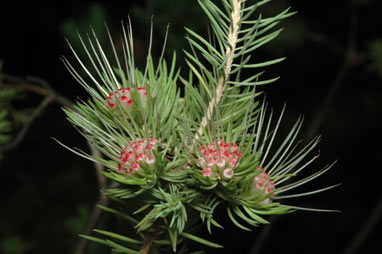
230	53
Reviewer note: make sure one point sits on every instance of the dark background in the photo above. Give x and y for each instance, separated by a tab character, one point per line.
332	75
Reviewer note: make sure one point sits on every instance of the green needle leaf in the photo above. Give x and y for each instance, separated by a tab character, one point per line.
118	236
201	240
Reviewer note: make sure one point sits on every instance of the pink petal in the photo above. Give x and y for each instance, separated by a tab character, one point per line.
207	171
228	173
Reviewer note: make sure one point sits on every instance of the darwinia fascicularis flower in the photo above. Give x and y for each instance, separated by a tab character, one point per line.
201	141
262	182
219	159
125	97
136	152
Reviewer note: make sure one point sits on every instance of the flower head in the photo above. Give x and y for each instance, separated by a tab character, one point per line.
262	182
136	152
125	97
219	159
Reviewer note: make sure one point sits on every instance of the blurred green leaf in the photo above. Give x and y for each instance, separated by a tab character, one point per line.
77	223
374	52
5	127
10	118
21	116
13	245
8	95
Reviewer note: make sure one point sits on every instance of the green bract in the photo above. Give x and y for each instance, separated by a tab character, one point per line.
175	158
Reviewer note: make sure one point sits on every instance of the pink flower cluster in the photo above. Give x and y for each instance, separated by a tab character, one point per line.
125	97
262	182
219	159
135	152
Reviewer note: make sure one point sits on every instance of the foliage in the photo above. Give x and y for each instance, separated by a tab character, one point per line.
5	125
14	245
8	116
76	223
177	153
375	56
